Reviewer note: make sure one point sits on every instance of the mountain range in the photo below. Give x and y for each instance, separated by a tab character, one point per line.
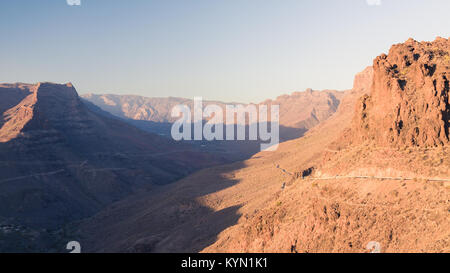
364	165
336	189
299	112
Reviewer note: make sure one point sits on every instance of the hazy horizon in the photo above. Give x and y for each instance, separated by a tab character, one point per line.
243	51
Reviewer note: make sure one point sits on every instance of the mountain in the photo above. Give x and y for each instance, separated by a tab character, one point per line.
299	112
61	161
142	108
383	178
196	209
371	181
406	115
339	188
409	104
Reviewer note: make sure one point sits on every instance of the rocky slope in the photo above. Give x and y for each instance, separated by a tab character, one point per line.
367	183
401	127
192	213
60	161
385	179
409	102
334	190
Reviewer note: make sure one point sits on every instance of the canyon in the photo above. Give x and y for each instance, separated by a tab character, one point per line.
369	164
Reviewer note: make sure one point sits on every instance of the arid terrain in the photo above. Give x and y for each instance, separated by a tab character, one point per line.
61	161
64	159
342	185
370	164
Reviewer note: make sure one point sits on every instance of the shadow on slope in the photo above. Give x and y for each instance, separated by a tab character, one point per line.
229	151
175	218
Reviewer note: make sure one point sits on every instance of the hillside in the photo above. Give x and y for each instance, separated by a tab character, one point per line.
332	190
374	182
194	211
402	127
60	161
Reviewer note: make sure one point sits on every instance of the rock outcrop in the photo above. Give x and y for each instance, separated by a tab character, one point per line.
409	100
363	79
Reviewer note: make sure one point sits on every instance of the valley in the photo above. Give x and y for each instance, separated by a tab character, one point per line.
328	191
364	165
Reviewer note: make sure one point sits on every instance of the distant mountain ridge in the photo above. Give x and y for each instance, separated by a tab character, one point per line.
299	111
141	108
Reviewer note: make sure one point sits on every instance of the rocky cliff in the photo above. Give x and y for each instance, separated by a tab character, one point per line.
409	100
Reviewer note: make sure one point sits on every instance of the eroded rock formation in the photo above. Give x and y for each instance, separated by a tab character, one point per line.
409	101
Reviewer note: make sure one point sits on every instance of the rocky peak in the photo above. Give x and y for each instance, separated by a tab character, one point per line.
53	89
409	101
40	107
55	101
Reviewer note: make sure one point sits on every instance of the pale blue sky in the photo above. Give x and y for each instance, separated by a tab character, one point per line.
231	50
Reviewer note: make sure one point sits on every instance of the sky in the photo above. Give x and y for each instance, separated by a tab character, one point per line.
228	50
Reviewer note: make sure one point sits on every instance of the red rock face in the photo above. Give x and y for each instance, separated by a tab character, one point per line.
363	79
409	101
